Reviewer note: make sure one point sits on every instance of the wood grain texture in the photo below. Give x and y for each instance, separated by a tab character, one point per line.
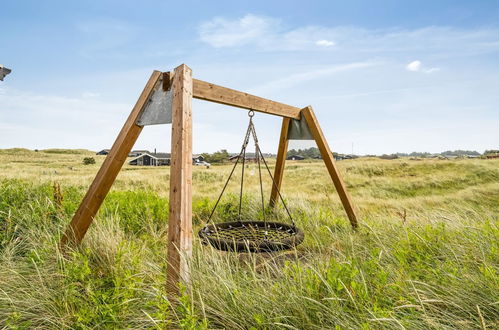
109	169
210	92
280	161
327	156
180	218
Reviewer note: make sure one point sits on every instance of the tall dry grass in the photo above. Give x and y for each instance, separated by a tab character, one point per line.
426	254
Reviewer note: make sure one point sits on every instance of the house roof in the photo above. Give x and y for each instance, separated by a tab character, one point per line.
162	155
158	155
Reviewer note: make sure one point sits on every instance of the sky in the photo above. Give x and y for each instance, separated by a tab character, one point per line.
382	76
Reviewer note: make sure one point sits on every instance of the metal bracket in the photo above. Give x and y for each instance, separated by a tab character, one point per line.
298	130
159	107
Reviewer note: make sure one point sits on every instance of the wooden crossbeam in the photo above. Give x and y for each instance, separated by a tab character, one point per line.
210	92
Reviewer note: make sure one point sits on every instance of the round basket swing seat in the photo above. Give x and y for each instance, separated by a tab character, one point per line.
251	236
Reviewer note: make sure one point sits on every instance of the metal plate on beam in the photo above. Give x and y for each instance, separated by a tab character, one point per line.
298	130
159	107
3	72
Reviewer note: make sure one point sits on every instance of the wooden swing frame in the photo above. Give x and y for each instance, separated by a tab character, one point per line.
180	212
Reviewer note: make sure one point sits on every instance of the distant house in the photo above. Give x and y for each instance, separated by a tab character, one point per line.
344	156
103	152
295	157
133	153
146	159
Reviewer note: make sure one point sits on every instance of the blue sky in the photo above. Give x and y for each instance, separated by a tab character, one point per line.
382	76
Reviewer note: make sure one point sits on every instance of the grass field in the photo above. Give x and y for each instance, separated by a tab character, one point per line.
425	256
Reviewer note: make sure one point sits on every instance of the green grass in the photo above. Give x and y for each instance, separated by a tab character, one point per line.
68	151
425	256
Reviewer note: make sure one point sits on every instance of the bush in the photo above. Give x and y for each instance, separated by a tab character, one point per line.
216	157
88	160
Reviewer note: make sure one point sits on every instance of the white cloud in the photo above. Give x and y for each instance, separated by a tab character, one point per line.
58	121
414	66
263	32
88	95
431	70
221	32
310	75
272	34
325	43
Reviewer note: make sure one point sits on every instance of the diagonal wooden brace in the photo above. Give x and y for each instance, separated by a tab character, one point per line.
327	156
280	161
109	169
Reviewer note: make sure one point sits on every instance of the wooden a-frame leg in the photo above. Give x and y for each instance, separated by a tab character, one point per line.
280	161
180	219
109	169
327	156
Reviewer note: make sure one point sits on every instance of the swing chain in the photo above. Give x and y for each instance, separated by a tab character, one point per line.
251	131
241	153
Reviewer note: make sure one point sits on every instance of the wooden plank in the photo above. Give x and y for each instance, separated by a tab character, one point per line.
280	161
109	169
210	92
180	219
327	156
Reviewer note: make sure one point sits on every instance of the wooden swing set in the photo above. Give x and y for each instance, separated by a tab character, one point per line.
167	98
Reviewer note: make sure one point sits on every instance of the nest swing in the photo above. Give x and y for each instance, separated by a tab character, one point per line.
251	236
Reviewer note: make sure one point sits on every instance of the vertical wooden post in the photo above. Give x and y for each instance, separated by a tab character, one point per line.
109	170
180	220
280	161
327	156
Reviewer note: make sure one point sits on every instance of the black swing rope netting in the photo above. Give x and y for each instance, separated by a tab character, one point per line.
251	236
